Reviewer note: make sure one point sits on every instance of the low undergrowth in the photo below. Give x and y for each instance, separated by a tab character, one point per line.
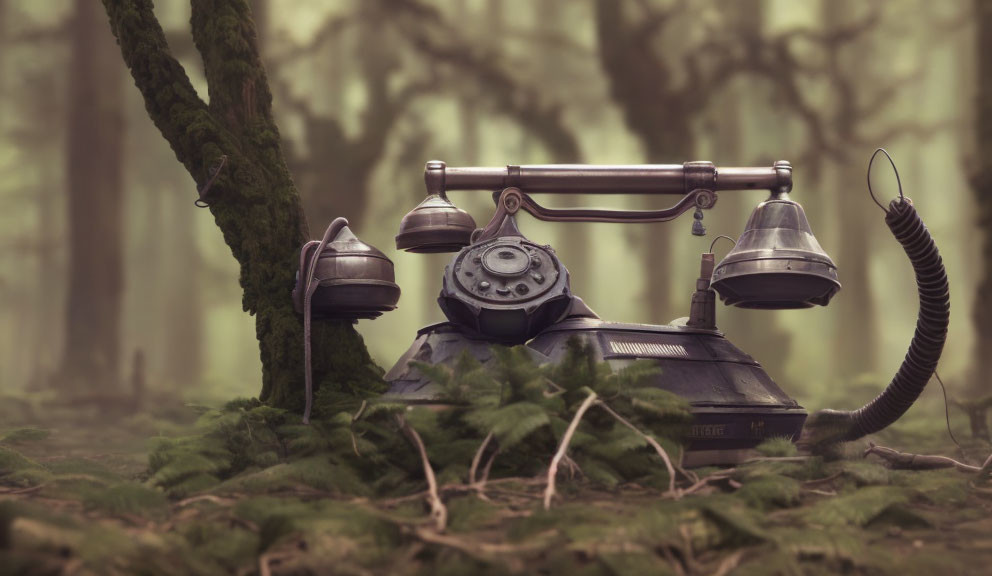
502	421
373	486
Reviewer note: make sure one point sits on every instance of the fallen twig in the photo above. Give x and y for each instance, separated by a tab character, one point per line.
480	486
654	444
478	458
459	487
675	564
558	390
480	550
205	497
549	491
729	564
263	565
689	474
917	461
28	490
486	469
351	427
688	555
721	475
438	511
824	480
572	466
777	459
985	474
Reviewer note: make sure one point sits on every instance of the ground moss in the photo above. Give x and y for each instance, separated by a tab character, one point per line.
736	524
228	547
765	492
192	484
949	491
12	461
18	471
316	472
624	562
857	508
471	513
127	498
24	435
79	466
186	466
777	447
863	472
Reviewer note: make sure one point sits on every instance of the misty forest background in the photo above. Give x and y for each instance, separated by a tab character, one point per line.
107	269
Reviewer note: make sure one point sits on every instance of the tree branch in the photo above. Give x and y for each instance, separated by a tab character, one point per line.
225	36
438	511
171	101
837	36
329	30
427	31
380	119
640	80
654	19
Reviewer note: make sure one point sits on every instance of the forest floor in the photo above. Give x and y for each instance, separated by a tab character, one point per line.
79	500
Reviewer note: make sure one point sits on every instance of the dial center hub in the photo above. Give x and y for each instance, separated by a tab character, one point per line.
506	261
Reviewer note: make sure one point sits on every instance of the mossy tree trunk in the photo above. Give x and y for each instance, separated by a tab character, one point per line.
252	198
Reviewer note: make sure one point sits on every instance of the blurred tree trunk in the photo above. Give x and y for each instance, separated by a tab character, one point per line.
3	44
733	145
165	304
855	346
338	167
659	115
317	171
725	130
37	135
468	154
575	248
183	324
49	229
982	186
233	145
96	127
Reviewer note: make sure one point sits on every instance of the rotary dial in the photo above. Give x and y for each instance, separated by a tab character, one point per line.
506	270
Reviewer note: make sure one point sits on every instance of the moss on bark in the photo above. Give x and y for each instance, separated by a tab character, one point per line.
252	198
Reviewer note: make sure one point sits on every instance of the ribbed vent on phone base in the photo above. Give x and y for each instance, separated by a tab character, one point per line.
649	349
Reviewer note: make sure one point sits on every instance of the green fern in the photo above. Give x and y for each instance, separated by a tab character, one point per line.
510	424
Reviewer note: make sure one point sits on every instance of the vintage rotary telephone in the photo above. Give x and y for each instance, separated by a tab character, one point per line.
501	288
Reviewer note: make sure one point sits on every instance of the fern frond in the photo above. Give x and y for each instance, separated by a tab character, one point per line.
510	424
